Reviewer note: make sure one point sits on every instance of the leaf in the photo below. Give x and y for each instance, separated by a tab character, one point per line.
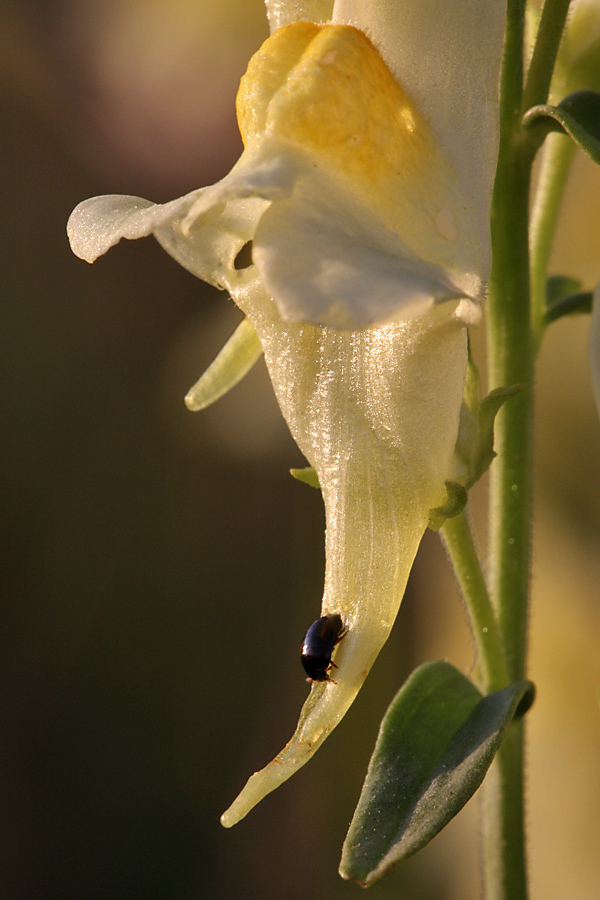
456	501
488	410
435	745
474	449
564	297
560	286
306	475
578	115
472	392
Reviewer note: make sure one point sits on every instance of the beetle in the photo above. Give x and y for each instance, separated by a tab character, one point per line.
319	641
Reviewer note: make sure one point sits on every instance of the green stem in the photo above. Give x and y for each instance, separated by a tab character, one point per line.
458	540
510	359
513	337
552	22
502	808
558	154
510	356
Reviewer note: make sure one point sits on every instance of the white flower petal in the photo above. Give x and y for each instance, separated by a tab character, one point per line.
360	218
208	248
208	251
283	12
99	223
446	56
326	259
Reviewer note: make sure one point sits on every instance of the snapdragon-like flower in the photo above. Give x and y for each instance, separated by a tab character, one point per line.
370	140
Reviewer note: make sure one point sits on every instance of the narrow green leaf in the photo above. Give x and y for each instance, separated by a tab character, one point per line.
578	115
564	297
560	286
456	501
472	392
307	476
435	744
474	449
488	410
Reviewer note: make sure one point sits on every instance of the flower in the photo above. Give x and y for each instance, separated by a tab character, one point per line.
364	188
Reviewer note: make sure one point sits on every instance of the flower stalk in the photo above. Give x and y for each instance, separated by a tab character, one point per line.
513	338
539	76
559	151
459	543
510	362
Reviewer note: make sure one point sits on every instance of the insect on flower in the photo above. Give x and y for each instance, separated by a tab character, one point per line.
368	262
318	645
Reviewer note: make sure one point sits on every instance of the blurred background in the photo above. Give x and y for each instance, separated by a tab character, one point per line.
160	568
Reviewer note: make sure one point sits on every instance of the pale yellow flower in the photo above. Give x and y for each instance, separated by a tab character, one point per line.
364	187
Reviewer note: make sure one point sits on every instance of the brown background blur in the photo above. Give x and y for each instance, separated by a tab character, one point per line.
160	568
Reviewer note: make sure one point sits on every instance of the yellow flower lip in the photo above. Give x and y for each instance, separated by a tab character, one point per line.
326	90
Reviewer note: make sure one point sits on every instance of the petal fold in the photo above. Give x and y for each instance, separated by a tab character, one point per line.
327	260
207	246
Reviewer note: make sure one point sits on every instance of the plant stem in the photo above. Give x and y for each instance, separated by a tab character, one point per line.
510	360
515	326
510	356
556	161
502	810
458	540
558	154
550	30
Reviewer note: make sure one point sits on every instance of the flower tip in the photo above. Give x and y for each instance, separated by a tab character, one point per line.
228	820
97	224
78	235
191	402
256	789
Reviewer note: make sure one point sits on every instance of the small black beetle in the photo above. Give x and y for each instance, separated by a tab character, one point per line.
319	641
